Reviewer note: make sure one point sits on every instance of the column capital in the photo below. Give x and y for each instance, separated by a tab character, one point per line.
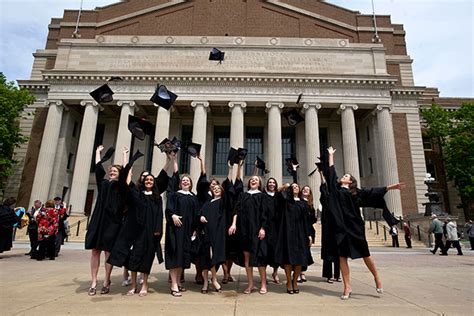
130	103
204	104
381	107
92	103
54	102
344	106
233	105
307	106
269	105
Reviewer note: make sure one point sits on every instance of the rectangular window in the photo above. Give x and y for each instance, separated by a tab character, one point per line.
427	143
254	145
70	161
185	159
221	150
288	146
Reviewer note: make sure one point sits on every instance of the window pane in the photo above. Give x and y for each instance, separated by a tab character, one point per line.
254	145
185	159
221	149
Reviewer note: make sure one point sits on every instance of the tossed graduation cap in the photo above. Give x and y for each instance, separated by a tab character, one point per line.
139	127
163	97
319	166
290	162
108	154
241	154
167	145
192	149
299	98
236	155
216	54
232	156
135	157
261	165
102	94
293	117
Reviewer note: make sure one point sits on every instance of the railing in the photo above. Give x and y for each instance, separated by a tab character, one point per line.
78	226
417	231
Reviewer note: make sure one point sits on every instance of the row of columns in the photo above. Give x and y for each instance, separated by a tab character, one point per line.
85	149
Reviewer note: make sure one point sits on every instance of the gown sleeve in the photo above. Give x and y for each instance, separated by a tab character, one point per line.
173	184
161	182
99	174
238	187
202	187
374	197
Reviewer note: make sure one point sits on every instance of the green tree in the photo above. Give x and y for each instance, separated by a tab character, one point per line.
454	130
12	103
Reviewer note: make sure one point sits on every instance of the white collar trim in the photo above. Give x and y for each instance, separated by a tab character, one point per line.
185	192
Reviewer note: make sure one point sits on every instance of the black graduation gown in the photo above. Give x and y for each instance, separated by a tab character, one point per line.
328	238
274	212
293	240
137	244
251	216
212	234
350	227
178	239
107	217
374	197
8	218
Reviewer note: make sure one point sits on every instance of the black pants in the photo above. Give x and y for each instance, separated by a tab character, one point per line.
58	242
328	269
408	241
33	235
471	240
455	244
438	243
395	241
46	248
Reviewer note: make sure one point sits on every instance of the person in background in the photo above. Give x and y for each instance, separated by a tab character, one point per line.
33	228
394	234
452	237
47	220
62	215
436	227
407	231
8	218
469	229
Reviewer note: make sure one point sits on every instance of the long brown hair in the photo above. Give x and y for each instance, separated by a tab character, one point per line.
310	196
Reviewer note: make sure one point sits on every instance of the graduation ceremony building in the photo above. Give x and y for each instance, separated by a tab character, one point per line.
351	73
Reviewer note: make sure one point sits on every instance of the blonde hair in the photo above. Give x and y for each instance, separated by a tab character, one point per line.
49	204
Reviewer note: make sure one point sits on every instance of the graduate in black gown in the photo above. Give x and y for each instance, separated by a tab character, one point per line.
182	212
212	231
294	240
140	237
106	218
344	202
307	196
8	218
251	228
274	217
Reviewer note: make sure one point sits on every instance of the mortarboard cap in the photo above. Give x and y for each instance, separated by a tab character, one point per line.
102	94
139	127
193	149
293	117
261	165
290	162
108	154
216	54
232	156
299	98
167	145
135	157
163	97
241	154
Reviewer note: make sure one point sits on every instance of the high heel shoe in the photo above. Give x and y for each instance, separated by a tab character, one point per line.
380	291
345	297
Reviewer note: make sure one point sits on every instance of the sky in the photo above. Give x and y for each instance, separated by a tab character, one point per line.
439	36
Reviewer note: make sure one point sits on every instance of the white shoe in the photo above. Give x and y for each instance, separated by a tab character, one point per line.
127	282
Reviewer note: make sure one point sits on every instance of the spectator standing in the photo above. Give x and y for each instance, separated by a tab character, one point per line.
452	237
7	219
436	227
394	233
407	231
47	220
62	216
469	230
33	228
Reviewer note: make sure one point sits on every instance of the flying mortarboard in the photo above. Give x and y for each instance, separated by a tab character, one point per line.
216	54
236	155
293	117
102	94
163	97
108	154
135	157
261	165
139	127
167	145
290	162
193	149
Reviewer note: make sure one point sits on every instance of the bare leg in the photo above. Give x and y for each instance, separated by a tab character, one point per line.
369	262
125	274
227	267
214	281
205	277
275	277
175	275
133	284
296	275
144	289
345	275
263	279
289	285
95	262
249	272
108	269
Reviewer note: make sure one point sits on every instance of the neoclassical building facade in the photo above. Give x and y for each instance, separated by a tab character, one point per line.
358	94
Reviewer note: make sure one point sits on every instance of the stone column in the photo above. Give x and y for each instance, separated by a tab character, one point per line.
84	157
124	137
237	110
274	157
349	140
47	153
162	131
199	135
312	145
388	158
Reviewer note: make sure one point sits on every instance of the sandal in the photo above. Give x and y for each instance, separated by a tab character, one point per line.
204	291
181	289
176	293
131	292
230	279
92	291
263	291
248	290
225	280
276	278
143	293
105	289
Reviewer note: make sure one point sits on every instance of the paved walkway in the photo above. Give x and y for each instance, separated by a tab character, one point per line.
415	283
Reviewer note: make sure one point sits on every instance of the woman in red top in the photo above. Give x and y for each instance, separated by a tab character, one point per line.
47	220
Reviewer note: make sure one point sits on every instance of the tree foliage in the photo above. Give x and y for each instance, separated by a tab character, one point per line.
455	132
12	103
